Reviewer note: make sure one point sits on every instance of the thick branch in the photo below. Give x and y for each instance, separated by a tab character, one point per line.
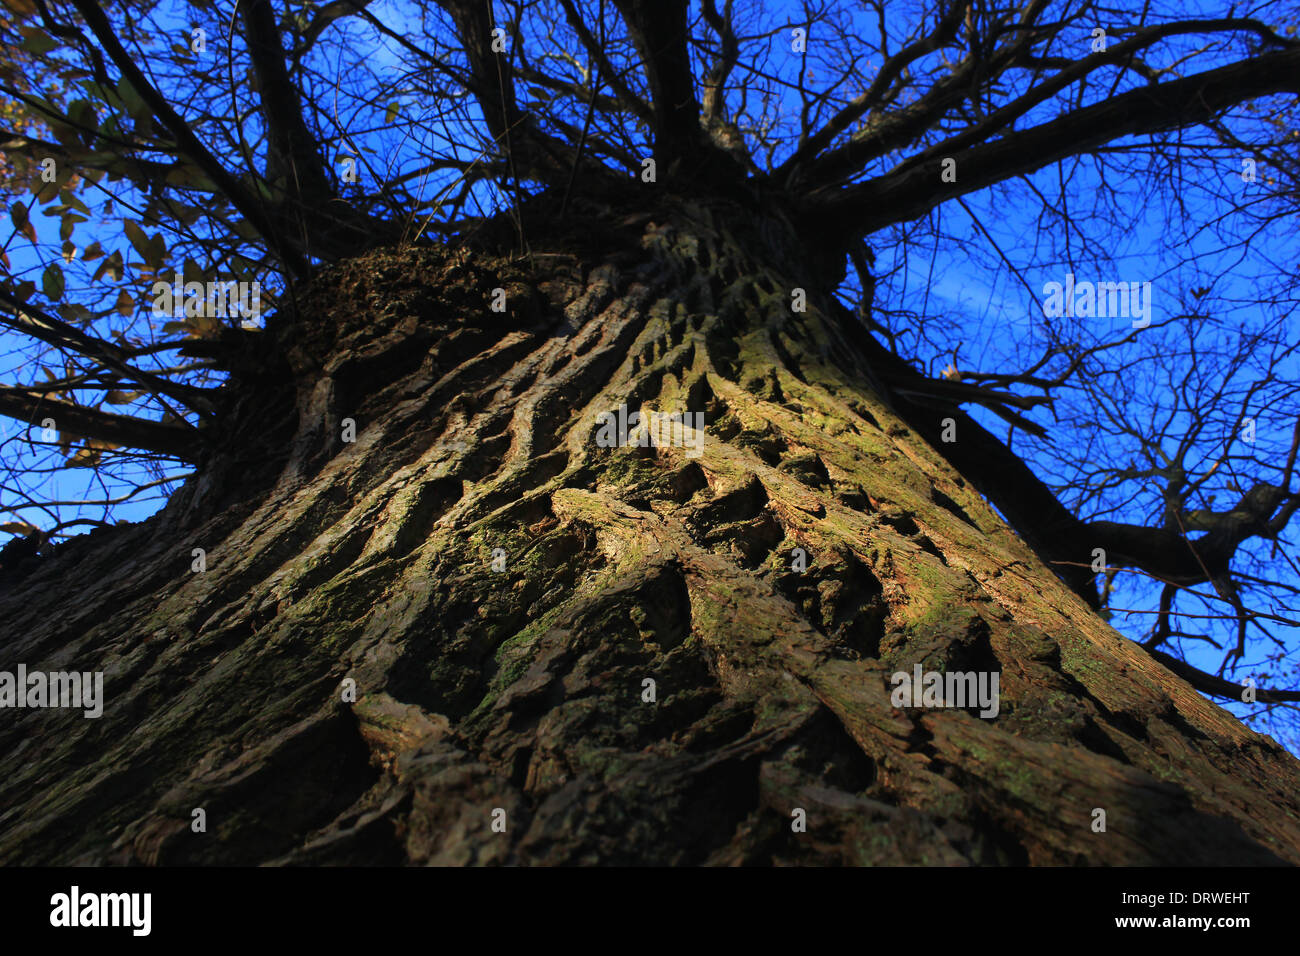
903	127
724	133
178	441
311	211
292	151
659	31
909	192
327	15
1217	686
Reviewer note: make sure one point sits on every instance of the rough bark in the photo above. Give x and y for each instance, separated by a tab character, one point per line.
521	689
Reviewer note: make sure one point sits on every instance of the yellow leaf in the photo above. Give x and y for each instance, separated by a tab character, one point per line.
84	458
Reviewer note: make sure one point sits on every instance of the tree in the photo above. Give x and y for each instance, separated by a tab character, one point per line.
597	528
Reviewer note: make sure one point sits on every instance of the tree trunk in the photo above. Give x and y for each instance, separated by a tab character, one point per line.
502	589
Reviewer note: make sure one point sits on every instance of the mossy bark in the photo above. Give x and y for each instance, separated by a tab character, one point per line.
518	684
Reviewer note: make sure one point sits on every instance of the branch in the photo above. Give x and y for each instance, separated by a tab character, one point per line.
312	213
901	128
725	134
911	190
530	151
248	207
39	324
104	159
177	441
328	14
1217	686
611	76
659	31
944	32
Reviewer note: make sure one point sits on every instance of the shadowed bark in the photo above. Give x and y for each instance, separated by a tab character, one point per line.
499	587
